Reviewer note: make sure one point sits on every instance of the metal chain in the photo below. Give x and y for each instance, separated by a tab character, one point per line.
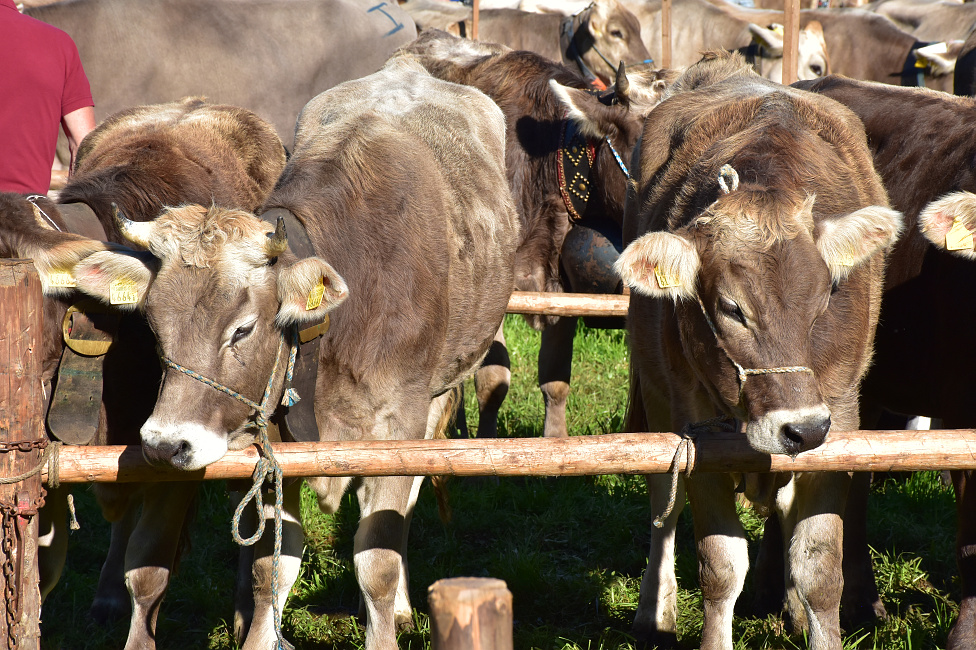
24	445
9	573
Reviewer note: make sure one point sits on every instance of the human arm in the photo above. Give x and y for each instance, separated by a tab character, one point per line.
76	125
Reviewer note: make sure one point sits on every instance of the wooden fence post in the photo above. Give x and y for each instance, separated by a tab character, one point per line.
470	614
21	440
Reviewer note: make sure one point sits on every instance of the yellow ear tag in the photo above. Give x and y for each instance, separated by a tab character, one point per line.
315	296
959	238
61	279
123	292
666	281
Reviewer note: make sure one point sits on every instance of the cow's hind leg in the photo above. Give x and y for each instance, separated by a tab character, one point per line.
491	383
151	554
811	509
120	505
266	567
555	368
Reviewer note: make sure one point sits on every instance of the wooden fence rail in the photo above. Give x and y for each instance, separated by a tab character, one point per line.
613	453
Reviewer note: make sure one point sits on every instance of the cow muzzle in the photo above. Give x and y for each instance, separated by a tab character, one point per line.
187	447
789	431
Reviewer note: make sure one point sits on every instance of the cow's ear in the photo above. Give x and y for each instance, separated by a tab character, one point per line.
119	278
660	265
770	39
940	57
56	264
950	222
848	240
308	290
594	119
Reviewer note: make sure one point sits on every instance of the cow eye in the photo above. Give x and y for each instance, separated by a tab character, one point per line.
616	33
732	310
816	69
240	333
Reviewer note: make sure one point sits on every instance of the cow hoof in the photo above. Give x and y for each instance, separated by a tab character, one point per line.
106	611
655	640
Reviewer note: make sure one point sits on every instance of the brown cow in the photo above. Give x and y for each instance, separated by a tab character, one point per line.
143	159
518	81
398	181
756	236
699	25
923	144
594	41
929	20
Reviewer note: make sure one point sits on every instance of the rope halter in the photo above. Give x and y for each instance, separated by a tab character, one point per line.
267	467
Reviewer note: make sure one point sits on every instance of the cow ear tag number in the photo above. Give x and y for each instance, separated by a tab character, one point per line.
315	296
61	279
123	292
664	280
959	237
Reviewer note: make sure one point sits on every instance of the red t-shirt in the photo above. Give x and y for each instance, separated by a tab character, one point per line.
41	80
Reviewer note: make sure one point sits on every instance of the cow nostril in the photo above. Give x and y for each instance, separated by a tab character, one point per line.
806	435
181	450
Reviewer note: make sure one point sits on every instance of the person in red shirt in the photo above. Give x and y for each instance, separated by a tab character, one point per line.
42	86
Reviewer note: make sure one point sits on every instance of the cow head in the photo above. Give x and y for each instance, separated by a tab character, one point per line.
607	32
752	274
812	61
949	223
221	300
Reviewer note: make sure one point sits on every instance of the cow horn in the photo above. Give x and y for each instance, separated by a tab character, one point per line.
278	242
622	85
137	232
728	179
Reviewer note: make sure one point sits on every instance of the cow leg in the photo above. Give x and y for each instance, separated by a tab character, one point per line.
151	554
860	603
261	634
380	566
120	507
244	585
656	619
811	509
963	634
491	383
52	538
555	368
723	554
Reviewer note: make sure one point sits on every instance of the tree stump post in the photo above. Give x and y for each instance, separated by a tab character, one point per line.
22	440
470	614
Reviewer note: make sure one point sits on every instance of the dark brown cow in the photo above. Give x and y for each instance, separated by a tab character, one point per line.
270	57
756	236
923	144
518	82
144	159
964	77
594	41
398	180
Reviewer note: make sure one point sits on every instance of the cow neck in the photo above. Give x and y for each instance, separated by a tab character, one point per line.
77	218
913	72
744	373
754	52
300	417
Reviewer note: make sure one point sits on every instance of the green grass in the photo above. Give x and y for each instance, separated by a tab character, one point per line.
571	550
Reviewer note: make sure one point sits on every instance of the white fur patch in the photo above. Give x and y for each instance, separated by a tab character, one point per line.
939	217
660	265
203	445
848	241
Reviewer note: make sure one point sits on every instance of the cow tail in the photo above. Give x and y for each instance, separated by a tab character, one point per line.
444	425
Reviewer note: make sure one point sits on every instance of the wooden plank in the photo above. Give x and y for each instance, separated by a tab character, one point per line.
614	453
21	421
665	33
568	304
791	40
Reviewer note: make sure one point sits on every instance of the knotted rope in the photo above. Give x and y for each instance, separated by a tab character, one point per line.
689	438
266	468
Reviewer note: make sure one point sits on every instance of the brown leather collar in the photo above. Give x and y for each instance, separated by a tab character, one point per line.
574	162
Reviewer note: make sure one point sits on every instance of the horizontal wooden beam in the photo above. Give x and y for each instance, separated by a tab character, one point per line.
614	453
568	304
